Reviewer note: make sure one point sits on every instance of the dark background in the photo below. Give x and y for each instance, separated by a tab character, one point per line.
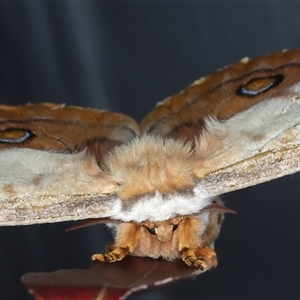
125	57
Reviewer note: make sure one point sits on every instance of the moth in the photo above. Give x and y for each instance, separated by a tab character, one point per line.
156	185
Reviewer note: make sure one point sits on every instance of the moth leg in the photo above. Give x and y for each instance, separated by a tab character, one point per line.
190	245
111	247
126	240
203	258
117	254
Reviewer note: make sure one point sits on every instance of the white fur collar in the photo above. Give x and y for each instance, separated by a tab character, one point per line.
159	207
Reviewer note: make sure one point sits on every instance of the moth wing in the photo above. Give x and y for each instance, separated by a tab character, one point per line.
243	120
67	129
50	157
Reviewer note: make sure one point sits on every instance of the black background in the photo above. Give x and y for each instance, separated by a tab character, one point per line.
126	56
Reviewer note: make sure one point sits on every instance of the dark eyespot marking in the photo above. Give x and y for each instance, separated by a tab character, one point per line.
260	85
151	230
15	135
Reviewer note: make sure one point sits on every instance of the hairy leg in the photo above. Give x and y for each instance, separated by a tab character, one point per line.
127	237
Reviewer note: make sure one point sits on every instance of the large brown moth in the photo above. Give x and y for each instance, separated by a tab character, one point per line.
155	184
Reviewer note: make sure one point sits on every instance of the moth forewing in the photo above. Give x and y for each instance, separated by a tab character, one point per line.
39	186
270	125
245	155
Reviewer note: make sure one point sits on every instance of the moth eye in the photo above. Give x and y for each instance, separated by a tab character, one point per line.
151	230
175	226
260	85
15	136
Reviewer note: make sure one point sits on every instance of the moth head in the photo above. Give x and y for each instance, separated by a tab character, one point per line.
163	230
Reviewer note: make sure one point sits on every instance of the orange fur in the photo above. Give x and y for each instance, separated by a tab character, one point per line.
189	233
126	241
202	258
151	164
185	237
